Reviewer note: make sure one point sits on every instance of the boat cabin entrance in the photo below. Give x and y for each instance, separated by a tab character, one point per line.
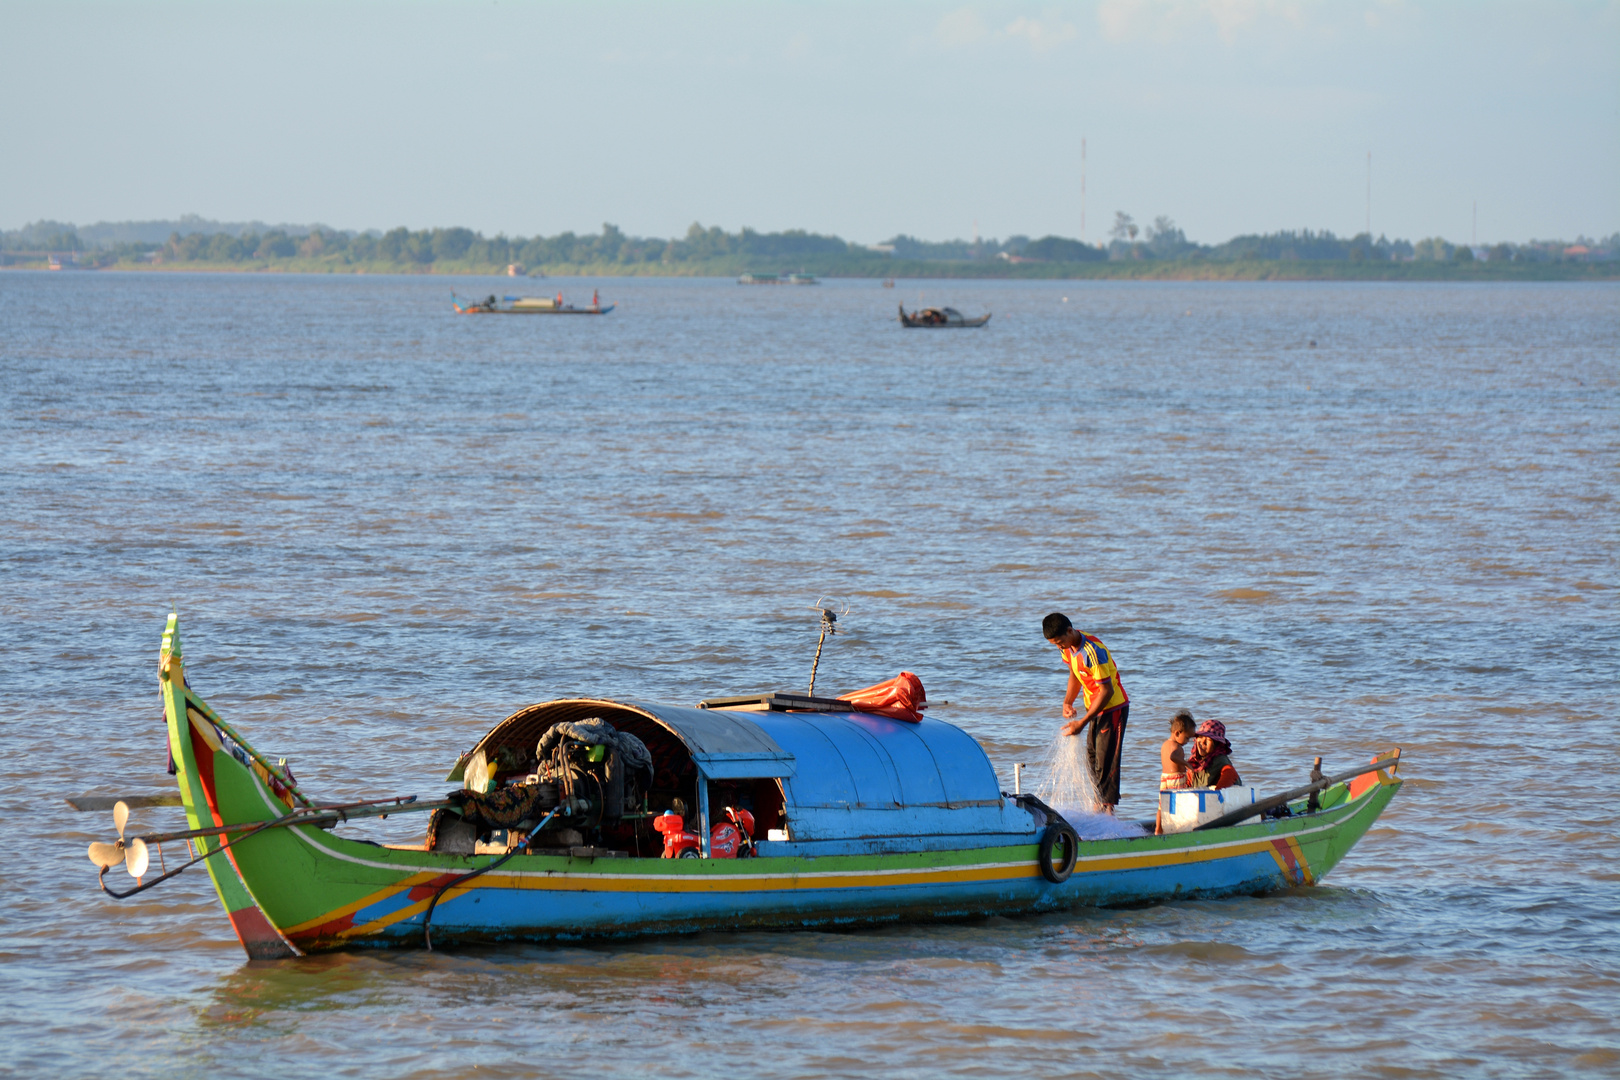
614	769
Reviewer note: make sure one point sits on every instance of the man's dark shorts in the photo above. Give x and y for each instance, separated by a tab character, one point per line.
1105	740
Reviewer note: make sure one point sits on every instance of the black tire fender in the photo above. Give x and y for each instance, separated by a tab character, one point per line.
1059	840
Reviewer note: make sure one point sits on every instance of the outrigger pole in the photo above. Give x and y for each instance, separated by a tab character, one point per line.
1322	784
108	856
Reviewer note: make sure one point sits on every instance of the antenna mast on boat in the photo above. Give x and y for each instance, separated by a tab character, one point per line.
1082	188
829	625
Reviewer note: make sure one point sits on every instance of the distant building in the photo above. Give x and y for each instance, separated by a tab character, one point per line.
1009	257
884	249
514	269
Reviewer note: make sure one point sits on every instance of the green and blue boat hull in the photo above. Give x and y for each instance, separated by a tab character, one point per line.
304	888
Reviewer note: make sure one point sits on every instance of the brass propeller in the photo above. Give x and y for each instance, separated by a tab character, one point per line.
133	853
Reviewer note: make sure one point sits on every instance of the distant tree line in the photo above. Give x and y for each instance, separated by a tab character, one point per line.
714	248
1163	240
42	236
458	245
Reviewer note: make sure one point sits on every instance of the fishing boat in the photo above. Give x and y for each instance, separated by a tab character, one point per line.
527	305
938	318
597	818
778	279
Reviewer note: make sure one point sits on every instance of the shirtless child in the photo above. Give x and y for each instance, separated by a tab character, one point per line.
1172	758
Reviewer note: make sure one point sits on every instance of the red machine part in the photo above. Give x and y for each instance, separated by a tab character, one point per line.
729	839
724	840
678	843
744	823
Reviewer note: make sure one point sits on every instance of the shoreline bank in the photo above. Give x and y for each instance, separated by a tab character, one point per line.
1145	270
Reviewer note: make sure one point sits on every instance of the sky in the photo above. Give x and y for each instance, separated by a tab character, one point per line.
859	119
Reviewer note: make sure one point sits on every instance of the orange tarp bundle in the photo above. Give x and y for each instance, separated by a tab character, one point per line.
901	697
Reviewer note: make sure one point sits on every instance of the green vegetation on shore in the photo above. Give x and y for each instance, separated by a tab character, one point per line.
1160	252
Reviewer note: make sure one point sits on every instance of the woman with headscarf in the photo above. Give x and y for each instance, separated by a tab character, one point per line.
1210	764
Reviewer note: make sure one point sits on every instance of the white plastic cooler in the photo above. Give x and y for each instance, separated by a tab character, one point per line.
1183	810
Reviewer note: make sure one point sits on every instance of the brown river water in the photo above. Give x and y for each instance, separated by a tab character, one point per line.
386	527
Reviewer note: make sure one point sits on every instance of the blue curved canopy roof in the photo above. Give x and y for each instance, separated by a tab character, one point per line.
850	775
845	775
859	776
856	760
726	745
838	759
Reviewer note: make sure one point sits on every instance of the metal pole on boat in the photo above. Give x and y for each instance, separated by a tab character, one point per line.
829	625
1018	778
703	812
1256	809
320	815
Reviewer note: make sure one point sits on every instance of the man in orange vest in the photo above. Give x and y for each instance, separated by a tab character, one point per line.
1092	670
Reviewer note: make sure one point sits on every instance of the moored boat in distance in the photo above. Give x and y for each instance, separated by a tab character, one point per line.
778	279
595	817
939	318
528	305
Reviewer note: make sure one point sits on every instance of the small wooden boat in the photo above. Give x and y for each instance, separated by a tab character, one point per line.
778	279
528	305
939	318
836	817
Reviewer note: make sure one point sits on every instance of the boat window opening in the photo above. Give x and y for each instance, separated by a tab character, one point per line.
761	797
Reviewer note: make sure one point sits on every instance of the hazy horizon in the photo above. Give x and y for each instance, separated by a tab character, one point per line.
933	120
93	232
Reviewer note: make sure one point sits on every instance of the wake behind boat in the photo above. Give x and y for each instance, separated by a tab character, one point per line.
939	318
593	817
528	305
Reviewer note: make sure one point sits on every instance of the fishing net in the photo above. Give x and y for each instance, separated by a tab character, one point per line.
503	808
1069	784
1071	790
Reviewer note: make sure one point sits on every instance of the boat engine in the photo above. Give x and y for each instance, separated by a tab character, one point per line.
592	771
589	780
600	774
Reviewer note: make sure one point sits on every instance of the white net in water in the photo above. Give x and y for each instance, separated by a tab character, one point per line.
1071	790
